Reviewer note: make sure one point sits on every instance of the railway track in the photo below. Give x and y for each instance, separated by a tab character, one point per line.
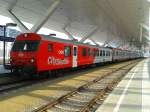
88	97
10	81
13	86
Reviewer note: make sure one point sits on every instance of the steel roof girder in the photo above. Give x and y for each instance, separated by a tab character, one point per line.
22	27
15	18
94	41
44	19
146	36
90	34
144	26
67	32
141	30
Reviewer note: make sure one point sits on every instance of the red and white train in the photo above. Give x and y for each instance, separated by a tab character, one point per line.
40	53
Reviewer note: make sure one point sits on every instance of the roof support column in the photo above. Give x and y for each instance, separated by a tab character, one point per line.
107	42
67	32
119	44
94	42
90	34
44	19
141	33
15	18
17	21
141	30
147	36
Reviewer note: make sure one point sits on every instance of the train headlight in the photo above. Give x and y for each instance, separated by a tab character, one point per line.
32	60
25	35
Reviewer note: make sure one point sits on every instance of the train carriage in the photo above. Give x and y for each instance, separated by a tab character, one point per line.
37	53
33	52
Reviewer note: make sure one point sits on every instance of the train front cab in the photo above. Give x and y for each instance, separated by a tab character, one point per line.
23	55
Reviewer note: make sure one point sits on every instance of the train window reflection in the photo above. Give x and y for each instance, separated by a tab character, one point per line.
25	45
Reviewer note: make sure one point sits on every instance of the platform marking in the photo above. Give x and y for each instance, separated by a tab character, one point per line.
145	84
116	109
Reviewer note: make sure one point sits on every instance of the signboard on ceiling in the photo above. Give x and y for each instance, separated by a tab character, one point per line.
7	39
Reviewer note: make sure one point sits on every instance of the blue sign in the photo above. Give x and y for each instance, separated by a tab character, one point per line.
7	39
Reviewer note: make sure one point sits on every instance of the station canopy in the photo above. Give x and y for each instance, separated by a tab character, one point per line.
111	22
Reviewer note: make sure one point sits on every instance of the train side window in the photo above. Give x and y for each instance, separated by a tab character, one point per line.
89	52
106	53
50	47
101	53
97	52
84	52
109	53
67	51
116	53
94	54
75	51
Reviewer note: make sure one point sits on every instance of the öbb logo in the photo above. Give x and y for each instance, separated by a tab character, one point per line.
54	61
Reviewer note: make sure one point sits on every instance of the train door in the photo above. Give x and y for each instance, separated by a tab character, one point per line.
75	56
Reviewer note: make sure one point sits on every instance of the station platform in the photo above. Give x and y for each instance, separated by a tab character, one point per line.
132	94
3	70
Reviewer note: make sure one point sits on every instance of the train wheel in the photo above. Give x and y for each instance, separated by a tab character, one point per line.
54	74
43	75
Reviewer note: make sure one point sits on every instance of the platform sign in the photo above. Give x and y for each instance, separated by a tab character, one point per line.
1	31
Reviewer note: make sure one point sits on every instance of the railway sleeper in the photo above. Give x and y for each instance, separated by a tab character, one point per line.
78	100
103	81
81	97
54	109
86	93
94	89
74	103
98	86
68	107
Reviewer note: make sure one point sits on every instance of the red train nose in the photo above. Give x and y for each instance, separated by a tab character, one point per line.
23	58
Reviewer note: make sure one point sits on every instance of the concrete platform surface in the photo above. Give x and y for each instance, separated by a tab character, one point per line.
133	93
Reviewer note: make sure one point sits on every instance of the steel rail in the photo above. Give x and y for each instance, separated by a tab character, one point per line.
70	94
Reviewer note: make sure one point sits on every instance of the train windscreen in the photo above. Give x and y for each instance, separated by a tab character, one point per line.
25	45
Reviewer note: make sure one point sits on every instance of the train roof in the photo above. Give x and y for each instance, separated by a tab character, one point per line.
57	39
53	38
